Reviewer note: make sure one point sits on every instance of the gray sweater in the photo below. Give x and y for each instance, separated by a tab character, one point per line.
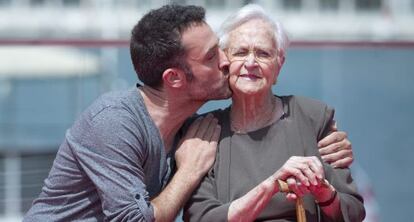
111	163
245	160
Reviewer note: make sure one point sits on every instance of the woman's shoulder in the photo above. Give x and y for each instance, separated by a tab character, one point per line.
302	100
221	114
307	110
304	104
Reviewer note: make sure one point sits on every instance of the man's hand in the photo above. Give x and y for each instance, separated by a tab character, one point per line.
336	149
194	157
197	150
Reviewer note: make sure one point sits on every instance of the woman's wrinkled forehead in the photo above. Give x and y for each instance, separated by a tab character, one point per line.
252	33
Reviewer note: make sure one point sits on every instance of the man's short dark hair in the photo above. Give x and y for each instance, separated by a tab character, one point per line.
156	41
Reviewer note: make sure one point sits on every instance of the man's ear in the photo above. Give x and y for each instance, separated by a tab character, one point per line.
174	78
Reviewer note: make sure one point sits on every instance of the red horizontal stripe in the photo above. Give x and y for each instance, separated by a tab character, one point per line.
66	42
357	44
125	43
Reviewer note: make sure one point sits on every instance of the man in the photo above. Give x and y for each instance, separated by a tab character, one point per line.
116	162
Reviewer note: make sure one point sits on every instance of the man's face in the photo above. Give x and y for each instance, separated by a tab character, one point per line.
207	62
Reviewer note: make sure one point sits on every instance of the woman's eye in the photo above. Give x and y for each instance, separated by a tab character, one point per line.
263	54
239	53
212	56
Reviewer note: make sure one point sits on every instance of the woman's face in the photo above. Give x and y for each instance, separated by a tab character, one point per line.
252	53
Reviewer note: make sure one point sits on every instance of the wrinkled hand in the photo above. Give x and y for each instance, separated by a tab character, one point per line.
323	192
300	173
336	149
197	150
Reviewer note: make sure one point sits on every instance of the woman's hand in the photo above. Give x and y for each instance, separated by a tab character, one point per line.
305	175
323	193
302	174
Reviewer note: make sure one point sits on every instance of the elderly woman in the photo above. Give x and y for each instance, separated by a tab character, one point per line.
266	138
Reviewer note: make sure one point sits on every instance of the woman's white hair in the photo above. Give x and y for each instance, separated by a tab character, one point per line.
247	13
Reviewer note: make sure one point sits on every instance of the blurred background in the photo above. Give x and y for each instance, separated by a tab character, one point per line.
57	56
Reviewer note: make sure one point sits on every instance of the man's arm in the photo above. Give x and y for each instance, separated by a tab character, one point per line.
112	154
111	151
194	158
335	148
347	199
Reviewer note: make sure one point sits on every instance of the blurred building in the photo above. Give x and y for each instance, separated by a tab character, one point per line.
43	89
310	19
40	90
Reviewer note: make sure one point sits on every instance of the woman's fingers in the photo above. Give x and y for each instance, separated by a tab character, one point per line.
290	169
291	196
297	187
305	170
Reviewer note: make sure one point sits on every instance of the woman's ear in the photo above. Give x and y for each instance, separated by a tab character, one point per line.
280	58
280	61
173	78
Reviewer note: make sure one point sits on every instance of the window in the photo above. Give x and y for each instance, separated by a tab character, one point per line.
245	2
34	170
71	3
4	3
368	5
329	5
179	2
2	185
215	3
37	2
293	5
412	5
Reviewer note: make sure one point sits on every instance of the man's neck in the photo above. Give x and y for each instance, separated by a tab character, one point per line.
168	111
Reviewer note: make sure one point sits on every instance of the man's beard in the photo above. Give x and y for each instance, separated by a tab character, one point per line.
205	93
223	92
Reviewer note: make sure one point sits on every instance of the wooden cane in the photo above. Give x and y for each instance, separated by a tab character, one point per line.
300	209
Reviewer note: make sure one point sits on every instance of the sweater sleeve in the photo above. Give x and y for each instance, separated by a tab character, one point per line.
351	203
112	154
204	205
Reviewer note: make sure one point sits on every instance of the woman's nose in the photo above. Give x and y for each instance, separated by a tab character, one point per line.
250	60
